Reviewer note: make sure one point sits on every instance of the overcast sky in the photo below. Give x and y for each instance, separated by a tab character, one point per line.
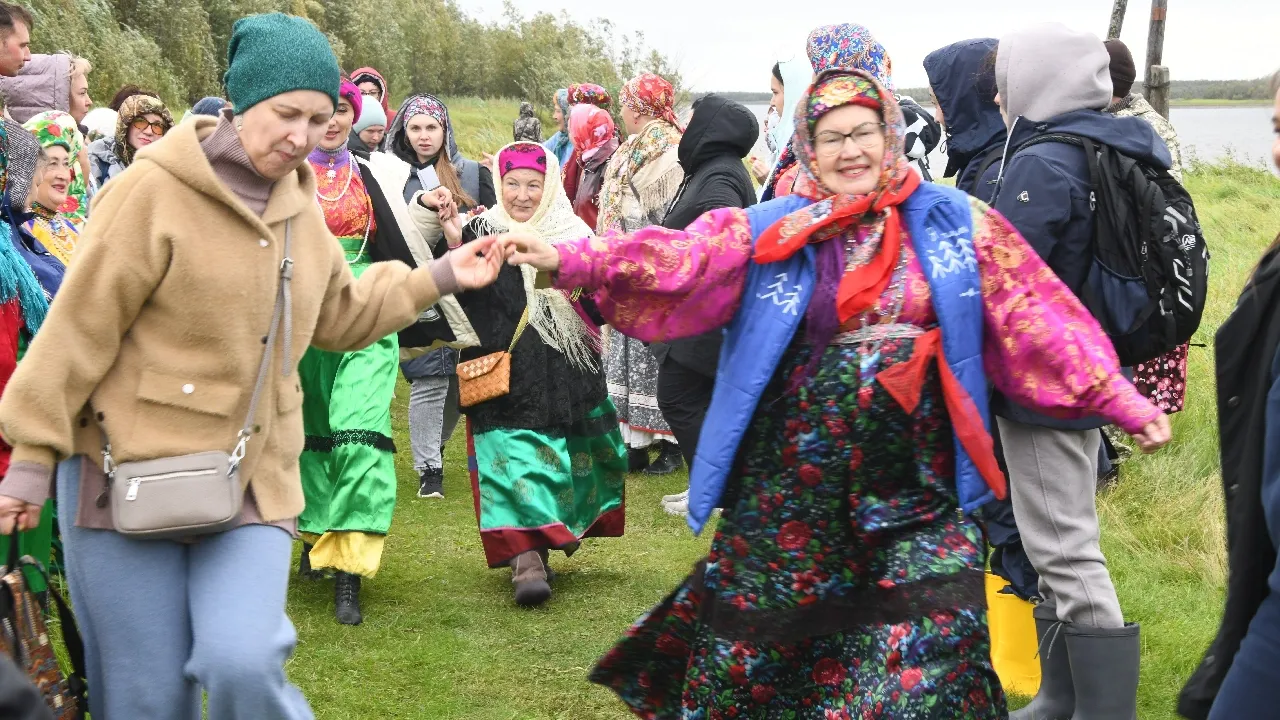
720	45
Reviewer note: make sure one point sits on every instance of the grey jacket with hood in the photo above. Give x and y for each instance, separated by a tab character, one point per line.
1056	80
42	84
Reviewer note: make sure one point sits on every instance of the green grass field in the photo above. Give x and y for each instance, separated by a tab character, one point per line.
443	639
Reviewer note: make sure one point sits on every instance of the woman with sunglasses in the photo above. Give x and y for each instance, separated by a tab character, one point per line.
142	120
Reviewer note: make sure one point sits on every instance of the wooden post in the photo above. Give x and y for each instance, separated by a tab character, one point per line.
1157	82
1118	9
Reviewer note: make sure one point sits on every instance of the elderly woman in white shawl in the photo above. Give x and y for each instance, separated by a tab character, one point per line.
547	459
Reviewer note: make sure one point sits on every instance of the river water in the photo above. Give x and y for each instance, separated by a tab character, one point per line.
1208	133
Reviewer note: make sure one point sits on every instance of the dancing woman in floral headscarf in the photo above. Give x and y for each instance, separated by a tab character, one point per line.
640	183
847	441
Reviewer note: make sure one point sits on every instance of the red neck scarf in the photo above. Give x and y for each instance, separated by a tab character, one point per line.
863	285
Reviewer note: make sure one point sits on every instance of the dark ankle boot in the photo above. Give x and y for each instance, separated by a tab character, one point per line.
304	565
1104	666
431	484
529	575
346	598
669	460
637	459
1057	697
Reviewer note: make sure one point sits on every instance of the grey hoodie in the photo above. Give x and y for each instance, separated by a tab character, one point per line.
1048	70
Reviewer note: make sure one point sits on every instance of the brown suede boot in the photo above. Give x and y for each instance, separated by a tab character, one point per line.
529	575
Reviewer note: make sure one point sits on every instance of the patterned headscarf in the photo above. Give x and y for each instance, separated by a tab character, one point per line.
839	295
54	127
349	92
589	94
135	107
850	46
591	128
522	156
649	94
551	314
397	141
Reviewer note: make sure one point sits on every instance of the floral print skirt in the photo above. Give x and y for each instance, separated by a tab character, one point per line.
842	581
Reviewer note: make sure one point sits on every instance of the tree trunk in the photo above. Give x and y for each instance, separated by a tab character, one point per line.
1118	9
1157	83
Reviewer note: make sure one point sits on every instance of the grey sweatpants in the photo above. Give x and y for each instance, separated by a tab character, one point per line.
163	620
1053	479
433	414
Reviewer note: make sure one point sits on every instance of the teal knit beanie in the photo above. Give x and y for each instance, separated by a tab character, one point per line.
277	53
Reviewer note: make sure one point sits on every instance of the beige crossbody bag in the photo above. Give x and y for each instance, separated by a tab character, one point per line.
200	493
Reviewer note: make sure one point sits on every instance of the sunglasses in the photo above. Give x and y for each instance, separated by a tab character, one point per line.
141	123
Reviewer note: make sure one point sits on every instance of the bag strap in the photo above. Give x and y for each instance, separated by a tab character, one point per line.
281	315
524	322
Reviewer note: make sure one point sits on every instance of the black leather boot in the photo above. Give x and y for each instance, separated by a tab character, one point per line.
669	460
346	598
637	459
304	565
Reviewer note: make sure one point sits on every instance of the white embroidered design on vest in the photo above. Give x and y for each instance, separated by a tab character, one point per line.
789	301
955	255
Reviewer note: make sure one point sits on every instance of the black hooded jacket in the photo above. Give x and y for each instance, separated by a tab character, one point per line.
720	134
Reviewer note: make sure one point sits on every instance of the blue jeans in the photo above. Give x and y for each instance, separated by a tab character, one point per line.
163	620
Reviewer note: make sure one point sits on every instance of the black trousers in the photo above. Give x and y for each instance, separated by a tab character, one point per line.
684	394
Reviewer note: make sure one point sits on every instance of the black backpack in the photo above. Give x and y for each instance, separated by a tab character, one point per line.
1148	281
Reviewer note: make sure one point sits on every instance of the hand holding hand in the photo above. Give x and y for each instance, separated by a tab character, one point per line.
436	199
525	249
452	226
477	264
17	515
1155	435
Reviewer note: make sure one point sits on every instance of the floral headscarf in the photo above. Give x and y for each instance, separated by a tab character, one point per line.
649	94
589	94
840	295
397	141
591	129
853	47
135	107
54	127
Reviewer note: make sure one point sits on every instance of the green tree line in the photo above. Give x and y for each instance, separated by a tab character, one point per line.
178	47
1178	90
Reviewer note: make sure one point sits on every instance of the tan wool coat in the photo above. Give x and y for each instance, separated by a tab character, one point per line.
159	325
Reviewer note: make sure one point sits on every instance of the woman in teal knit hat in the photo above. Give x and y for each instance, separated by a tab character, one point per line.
193	245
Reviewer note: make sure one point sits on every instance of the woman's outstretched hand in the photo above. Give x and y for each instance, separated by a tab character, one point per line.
477	264
1155	435
525	249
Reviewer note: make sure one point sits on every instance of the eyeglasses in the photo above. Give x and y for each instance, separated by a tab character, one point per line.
866	135
141	123
370	93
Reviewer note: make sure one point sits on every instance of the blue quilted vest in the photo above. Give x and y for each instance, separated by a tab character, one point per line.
939	222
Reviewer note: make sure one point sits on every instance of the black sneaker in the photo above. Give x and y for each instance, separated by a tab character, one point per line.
432	483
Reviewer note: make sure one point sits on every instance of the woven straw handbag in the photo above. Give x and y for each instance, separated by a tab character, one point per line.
488	377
